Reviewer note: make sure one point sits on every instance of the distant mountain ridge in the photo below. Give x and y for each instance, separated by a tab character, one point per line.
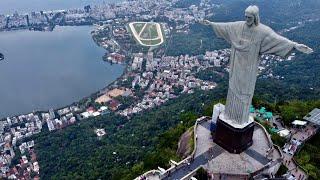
278	13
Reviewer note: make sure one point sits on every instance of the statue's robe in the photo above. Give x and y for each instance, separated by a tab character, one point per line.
247	44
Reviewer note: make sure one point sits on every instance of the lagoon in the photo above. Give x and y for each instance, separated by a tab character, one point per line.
45	70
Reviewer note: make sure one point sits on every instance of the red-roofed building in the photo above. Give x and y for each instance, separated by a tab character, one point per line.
114	104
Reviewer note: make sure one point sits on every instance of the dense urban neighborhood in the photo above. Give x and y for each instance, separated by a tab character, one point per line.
106	12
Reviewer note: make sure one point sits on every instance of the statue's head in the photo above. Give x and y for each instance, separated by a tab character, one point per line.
252	15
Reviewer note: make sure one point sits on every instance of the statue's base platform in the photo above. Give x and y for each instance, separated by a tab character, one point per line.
233	139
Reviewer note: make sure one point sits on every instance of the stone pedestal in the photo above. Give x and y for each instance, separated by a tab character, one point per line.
232	137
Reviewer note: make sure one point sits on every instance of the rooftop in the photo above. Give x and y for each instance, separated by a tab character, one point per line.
313	116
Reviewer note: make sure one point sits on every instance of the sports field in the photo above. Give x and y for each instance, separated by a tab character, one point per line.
147	33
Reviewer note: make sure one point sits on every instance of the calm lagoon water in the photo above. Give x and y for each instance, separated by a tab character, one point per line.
45	70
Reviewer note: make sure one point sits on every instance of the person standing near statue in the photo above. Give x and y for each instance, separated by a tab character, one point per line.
249	40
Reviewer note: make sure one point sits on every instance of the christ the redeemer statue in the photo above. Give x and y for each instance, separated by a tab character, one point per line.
249	39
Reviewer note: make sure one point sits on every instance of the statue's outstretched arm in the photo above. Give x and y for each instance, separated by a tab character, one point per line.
221	29
205	22
276	44
303	48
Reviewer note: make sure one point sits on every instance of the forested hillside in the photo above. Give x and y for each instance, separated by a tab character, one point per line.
76	152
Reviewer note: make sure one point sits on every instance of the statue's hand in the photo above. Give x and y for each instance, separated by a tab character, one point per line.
204	22
303	48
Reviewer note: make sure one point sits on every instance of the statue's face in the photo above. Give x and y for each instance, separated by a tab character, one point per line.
249	19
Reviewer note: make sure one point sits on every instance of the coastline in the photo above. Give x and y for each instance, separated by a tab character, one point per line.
95	93
44	19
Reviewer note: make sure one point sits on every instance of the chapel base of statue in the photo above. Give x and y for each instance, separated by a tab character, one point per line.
234	138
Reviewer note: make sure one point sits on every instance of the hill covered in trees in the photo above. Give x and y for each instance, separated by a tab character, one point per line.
309	157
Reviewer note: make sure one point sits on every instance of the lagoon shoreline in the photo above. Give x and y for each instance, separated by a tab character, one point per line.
102	71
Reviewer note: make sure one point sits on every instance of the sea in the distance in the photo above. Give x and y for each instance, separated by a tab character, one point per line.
26	6
45	70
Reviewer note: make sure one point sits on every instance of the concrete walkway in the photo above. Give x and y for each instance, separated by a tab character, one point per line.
202	154
217	160
220	163
251	160
204	138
